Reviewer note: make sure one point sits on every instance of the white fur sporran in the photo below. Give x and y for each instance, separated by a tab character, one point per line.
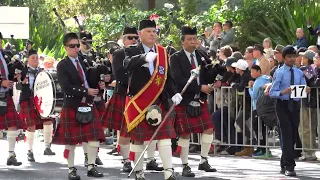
153	115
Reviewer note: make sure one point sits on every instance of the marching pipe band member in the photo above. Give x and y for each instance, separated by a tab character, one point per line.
79	119
150	84
113	117
99	76
85	49
9	118
28	112
192	114
88	59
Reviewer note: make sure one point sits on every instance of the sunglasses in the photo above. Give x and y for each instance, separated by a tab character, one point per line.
133	37
73	45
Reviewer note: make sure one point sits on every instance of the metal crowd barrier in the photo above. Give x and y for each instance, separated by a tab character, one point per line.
308	129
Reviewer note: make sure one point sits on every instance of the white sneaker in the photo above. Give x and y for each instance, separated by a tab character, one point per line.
308	157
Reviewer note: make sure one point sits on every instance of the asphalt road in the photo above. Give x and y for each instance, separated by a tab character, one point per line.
55	167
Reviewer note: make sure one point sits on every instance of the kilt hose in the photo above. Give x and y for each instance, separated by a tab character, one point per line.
11	118
144	131
29	114
71	132
113	115
100	107
184	124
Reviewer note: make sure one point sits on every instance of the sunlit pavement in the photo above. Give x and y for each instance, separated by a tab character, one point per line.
55	167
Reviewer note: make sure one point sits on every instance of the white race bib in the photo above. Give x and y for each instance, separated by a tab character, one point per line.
298	91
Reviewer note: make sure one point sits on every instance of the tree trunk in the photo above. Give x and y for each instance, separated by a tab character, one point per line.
151	4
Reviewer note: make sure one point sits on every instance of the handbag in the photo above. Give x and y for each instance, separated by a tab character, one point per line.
84	114
194	108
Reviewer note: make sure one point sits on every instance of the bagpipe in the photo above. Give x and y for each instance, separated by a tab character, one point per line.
95	59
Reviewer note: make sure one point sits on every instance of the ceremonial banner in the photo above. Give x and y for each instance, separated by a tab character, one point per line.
137	106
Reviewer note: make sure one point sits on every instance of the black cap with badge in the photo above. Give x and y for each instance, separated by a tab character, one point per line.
32	52
147	24
187	30
85	36
130	30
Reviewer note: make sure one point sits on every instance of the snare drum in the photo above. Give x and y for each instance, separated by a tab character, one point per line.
48	95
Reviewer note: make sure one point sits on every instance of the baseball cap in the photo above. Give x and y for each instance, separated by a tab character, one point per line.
240	64
289	49
258	47
278	48
230	61
308	54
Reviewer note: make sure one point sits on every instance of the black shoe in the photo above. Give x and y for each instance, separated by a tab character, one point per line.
206	166
139	175
48	152
31	157
186	171
290	173
113	151
73	174
12	161
93	172
85	159
98	161
283	170
127	167
153	166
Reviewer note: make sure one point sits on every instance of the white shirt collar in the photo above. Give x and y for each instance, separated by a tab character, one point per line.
73	59
188	53
147	49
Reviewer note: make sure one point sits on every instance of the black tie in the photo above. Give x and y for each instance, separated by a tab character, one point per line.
291	102
292	77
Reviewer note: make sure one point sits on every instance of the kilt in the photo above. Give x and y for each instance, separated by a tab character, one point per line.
144	131
29	114
11	118
184	124
124	130
100	107
70	132
113	116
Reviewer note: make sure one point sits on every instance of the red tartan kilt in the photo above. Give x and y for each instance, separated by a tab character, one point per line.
184	124
113	115
144	131
124	130
100	107
29	114
70	132
11	118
